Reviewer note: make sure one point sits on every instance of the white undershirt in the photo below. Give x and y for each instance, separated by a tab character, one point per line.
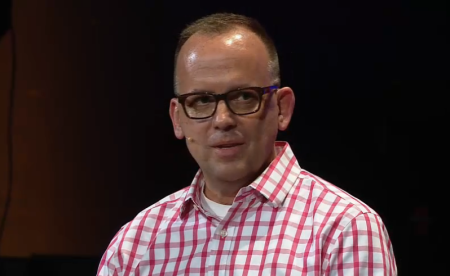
213	207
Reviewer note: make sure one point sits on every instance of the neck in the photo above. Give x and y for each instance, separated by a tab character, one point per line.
224	192
217	194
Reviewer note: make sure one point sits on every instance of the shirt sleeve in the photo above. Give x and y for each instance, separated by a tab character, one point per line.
363	248
109	264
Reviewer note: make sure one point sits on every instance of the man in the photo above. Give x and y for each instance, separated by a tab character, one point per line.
251	209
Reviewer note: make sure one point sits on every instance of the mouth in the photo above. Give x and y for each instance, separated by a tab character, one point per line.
227	146
228	151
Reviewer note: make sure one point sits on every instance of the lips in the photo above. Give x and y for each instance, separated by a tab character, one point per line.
228	150
226	145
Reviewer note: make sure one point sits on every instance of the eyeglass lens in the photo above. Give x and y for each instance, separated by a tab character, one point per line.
240	102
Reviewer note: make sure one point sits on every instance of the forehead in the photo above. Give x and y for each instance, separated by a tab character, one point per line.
217	62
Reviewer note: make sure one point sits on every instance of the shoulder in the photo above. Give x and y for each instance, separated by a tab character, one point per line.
344	222
330	208
151	218
329	196
133	238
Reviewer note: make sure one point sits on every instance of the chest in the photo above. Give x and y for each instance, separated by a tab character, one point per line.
258	243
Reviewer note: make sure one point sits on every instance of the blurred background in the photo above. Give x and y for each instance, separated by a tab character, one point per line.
91	142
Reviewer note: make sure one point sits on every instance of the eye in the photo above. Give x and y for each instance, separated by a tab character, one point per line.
244	96
203	100
199	100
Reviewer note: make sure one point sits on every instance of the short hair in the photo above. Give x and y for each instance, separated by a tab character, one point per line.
222	23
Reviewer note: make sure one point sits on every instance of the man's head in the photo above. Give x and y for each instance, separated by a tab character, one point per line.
222	23
218	54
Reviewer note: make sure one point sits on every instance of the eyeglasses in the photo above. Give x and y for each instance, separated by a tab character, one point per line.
242	101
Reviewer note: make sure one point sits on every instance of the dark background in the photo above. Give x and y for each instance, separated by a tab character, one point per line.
93	142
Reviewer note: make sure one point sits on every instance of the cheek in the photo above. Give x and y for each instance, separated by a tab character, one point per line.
269	123
261	132
269	131
197	131
197	144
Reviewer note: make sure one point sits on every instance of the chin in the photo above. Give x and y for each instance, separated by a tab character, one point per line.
230	171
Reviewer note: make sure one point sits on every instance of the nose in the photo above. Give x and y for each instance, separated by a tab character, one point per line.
223	119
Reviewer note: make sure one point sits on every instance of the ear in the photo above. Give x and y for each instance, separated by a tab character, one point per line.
174	112
286	103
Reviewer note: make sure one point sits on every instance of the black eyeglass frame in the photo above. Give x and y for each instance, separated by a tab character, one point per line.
218	97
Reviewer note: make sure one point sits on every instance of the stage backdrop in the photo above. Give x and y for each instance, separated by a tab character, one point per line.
93	143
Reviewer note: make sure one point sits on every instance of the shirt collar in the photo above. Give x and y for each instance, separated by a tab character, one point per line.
274	183
279	177
193	194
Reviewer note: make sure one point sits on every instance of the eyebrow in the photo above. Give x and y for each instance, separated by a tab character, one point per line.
232	88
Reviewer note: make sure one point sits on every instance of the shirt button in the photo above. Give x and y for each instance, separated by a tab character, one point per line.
223	233
195	207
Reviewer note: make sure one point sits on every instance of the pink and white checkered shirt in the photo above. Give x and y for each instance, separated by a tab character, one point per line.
287	222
